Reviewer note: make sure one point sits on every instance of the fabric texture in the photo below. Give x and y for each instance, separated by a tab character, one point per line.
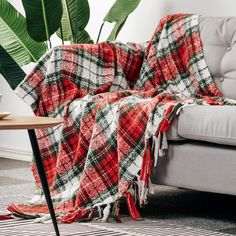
215	124
197	165
118	101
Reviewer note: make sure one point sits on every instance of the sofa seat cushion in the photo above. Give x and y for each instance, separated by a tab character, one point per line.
215	124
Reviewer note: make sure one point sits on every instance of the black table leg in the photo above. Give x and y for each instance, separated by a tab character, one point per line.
43	178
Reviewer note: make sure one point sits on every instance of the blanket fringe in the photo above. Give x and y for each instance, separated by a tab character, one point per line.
145	173
131	207
155	150
160	144
116	211
168	117
99	212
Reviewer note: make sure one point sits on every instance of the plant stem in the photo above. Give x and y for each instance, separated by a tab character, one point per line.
100	31
62	37
45	22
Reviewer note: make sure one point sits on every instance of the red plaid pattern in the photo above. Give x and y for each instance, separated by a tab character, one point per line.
116	99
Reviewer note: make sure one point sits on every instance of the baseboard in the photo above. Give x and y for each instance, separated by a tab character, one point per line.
15	153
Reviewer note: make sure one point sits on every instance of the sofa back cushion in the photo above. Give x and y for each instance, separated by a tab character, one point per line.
218	36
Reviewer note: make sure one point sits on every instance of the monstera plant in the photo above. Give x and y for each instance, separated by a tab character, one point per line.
26	39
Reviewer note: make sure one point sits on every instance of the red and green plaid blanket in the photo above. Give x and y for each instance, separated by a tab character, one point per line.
118	101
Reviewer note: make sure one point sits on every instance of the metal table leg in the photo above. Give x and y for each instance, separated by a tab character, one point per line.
43	178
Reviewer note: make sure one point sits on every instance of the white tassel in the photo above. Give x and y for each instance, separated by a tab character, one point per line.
99	212
187	104
161	152
150	187
106	212
44	219
143	191
156	143
164	143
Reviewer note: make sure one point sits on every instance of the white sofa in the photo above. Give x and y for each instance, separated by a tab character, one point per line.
202	141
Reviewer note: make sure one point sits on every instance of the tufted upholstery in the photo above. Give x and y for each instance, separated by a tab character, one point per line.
218	36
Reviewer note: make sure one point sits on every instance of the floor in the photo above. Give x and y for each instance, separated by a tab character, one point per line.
215	212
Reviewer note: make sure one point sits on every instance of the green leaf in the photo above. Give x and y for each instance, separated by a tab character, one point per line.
115	31
76	14
83	37
43	18
118	13
14	37
10	70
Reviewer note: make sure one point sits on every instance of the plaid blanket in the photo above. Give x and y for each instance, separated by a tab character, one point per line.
118	101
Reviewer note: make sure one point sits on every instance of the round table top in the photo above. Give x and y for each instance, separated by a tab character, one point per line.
28	122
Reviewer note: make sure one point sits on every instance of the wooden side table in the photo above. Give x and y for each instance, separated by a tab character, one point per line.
31	123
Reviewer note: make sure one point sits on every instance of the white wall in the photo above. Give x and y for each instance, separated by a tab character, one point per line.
14	144
141	24
139	28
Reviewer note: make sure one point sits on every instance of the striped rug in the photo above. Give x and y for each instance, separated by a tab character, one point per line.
128	227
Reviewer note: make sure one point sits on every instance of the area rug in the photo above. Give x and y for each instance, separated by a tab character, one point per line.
127	228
